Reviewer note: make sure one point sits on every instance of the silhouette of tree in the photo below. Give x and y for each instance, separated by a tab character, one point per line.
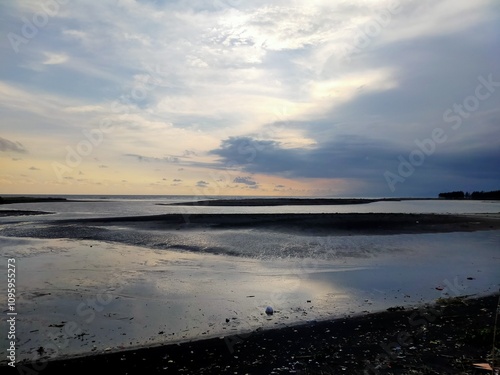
452	195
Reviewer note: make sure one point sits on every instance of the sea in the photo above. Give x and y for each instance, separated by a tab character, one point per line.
126	286
139	205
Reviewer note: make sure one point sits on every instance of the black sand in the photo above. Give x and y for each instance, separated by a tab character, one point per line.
331	224
445	338
4	213
249	202
12	200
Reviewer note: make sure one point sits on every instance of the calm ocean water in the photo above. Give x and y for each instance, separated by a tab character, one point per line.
139	205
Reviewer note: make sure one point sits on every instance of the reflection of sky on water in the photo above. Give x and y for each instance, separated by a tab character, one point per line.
255	243
134	207
190	295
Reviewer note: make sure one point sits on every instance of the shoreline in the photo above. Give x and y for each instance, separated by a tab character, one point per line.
236	202
5	213
149	296
395	341
250	202
331	224
257	201
22	199
158	274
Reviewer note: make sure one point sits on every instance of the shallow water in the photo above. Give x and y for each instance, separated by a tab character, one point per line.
137	207
119	295
125	287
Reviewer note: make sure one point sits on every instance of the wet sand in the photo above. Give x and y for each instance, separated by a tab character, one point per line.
198	288
249	202
4	213
121	297
331	224
12	200
446	337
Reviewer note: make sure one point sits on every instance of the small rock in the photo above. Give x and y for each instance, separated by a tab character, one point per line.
396	308
269	310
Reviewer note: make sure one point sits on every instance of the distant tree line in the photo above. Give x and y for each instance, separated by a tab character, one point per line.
495	195
452	195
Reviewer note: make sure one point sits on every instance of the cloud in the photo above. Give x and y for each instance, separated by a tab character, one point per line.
167	159
344	157
361	160
202	184
328	101
55	58
6	145
85	109
245	180
177	182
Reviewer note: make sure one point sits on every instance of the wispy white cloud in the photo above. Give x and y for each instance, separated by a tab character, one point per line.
55	58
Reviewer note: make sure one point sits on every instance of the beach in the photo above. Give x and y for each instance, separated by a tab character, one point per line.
443	338
116	283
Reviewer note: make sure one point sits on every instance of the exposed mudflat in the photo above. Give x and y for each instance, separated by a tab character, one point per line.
448	337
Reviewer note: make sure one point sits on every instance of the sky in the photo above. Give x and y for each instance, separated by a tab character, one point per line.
233	97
